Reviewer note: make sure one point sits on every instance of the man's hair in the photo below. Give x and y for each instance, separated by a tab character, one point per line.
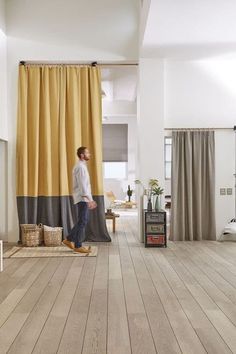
81	150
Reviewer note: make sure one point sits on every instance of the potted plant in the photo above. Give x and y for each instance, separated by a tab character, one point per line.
129	193
157	191
152	183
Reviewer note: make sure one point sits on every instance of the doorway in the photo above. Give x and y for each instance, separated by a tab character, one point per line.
119	111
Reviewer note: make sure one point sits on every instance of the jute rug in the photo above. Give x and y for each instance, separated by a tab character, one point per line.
38	252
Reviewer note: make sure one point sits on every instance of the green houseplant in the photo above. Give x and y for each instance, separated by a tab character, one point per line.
153	185
157	191
129	193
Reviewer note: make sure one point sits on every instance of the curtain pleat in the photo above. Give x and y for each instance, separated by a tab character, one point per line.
59	109
193	186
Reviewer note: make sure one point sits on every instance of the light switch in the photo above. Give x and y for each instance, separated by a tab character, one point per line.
222	191
229	191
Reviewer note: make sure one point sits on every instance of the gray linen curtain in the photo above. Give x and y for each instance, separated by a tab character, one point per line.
193	186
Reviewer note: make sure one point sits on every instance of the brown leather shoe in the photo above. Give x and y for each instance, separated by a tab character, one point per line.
69	244
82	250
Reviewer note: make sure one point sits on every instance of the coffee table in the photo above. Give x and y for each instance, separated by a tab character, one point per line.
113	218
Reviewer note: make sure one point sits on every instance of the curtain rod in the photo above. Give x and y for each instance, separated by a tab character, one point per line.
232	128
94	63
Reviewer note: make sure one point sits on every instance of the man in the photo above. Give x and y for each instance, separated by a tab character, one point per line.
83	200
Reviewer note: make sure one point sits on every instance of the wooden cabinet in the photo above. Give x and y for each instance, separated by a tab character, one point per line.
155	228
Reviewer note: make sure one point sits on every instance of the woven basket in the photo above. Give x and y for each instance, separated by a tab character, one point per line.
32	237
52	236
32	231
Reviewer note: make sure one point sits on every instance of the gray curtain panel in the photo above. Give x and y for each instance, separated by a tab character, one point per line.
193	186
60	211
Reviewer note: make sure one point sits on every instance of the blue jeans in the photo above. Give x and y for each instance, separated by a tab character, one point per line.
77	234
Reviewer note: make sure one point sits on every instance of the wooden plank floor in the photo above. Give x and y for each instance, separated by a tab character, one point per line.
127	300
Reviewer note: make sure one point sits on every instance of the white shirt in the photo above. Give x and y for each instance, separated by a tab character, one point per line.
81	182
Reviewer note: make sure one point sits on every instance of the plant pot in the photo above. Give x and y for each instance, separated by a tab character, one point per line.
149	205
158	203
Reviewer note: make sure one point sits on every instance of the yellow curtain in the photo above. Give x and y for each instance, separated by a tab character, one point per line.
59	109
56	114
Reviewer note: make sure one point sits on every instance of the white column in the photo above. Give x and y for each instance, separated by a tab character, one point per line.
150	156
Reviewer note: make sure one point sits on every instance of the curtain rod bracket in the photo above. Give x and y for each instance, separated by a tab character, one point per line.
93	63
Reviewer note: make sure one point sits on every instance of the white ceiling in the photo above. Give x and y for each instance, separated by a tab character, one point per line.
104	28
190	27
120	83
109	25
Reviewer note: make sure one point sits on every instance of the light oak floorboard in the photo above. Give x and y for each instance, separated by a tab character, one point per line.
26	339
129	299
118	341
188	293
50	336
140	332
18	317
95	338
73	335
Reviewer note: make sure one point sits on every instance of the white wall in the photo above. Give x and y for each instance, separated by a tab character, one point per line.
3	73
119	186
202	94
3	190
119	108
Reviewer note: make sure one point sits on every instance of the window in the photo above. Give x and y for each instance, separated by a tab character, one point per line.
115	150
115	142
168	147
116	170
